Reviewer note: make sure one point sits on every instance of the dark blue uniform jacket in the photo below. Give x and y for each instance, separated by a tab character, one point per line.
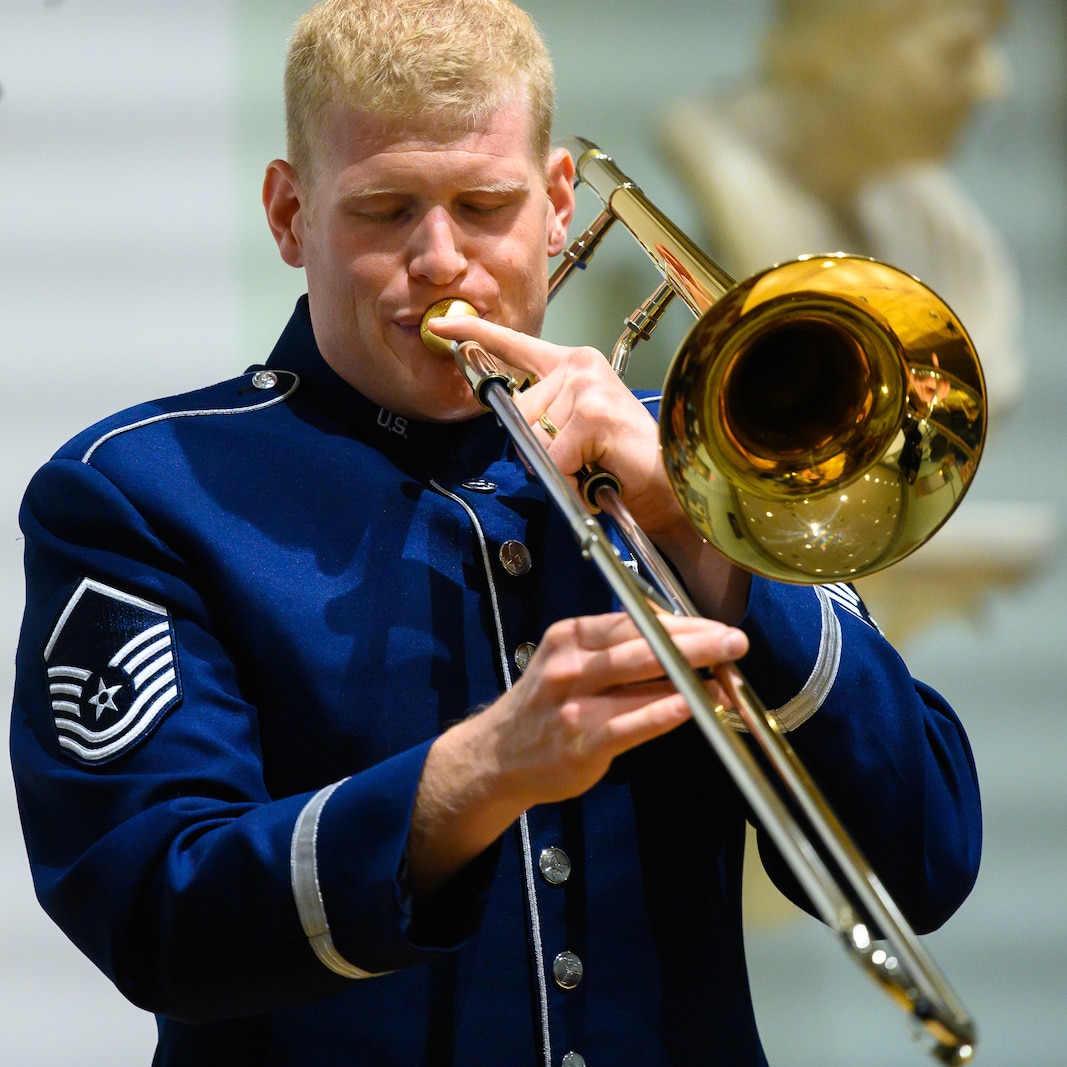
250	611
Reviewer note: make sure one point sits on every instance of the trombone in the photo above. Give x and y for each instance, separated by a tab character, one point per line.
819	422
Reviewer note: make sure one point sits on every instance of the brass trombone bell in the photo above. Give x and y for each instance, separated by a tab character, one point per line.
823	419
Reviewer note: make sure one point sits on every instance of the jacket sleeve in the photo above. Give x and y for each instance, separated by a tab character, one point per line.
161	852
889	754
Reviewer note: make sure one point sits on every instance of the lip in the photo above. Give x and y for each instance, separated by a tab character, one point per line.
411	332
409	323
414	318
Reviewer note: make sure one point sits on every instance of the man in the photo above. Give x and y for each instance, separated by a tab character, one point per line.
329	746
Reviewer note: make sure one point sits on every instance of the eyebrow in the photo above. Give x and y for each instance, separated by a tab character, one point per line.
504	186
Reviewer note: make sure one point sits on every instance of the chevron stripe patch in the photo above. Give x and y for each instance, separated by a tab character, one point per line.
845	595
112	671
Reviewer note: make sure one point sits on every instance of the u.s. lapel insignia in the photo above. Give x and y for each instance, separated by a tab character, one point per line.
112	671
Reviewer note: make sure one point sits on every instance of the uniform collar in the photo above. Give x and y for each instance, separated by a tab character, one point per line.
404	438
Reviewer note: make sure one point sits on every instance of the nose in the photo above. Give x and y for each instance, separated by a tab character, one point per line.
437	256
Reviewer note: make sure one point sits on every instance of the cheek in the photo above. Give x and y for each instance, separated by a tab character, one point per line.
523	280
371	278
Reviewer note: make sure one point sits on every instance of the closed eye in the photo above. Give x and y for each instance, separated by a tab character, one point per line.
492	209
382	217
393	215
378	208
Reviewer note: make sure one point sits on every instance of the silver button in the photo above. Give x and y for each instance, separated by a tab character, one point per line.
554	865
480	485
516	558
567	970
523	655
572	1059
264	379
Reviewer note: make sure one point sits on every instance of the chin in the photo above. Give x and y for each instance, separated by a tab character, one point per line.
458	412
447	398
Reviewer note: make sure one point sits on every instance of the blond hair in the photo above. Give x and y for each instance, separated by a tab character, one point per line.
447	62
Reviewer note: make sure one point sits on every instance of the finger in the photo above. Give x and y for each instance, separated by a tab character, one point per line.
521	355
652	719
544	420
631	697
609	652
517	349
646	712
612	628
575	400
634	661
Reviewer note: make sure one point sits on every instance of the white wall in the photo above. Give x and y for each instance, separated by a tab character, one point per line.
118	280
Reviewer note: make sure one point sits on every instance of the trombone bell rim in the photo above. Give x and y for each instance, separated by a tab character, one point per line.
823	419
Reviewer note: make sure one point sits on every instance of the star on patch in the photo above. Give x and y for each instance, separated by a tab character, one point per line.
112	671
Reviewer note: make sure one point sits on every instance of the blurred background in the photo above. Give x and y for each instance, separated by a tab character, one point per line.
134	262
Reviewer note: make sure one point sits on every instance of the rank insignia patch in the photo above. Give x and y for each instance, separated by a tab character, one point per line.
112	671
844	594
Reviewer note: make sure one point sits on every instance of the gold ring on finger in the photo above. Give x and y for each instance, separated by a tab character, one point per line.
548	425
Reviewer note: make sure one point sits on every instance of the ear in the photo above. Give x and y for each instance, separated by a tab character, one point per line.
559	175
283	200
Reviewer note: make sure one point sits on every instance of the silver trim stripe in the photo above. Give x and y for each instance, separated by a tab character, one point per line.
304	877
821	680
191	413
823	675
524	822
535	933
487	564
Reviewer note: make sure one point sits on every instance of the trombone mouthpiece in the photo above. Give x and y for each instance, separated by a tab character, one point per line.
448	308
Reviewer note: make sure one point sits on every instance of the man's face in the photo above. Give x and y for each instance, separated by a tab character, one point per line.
402	216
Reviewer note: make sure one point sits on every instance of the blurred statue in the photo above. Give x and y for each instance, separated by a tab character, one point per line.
840	143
